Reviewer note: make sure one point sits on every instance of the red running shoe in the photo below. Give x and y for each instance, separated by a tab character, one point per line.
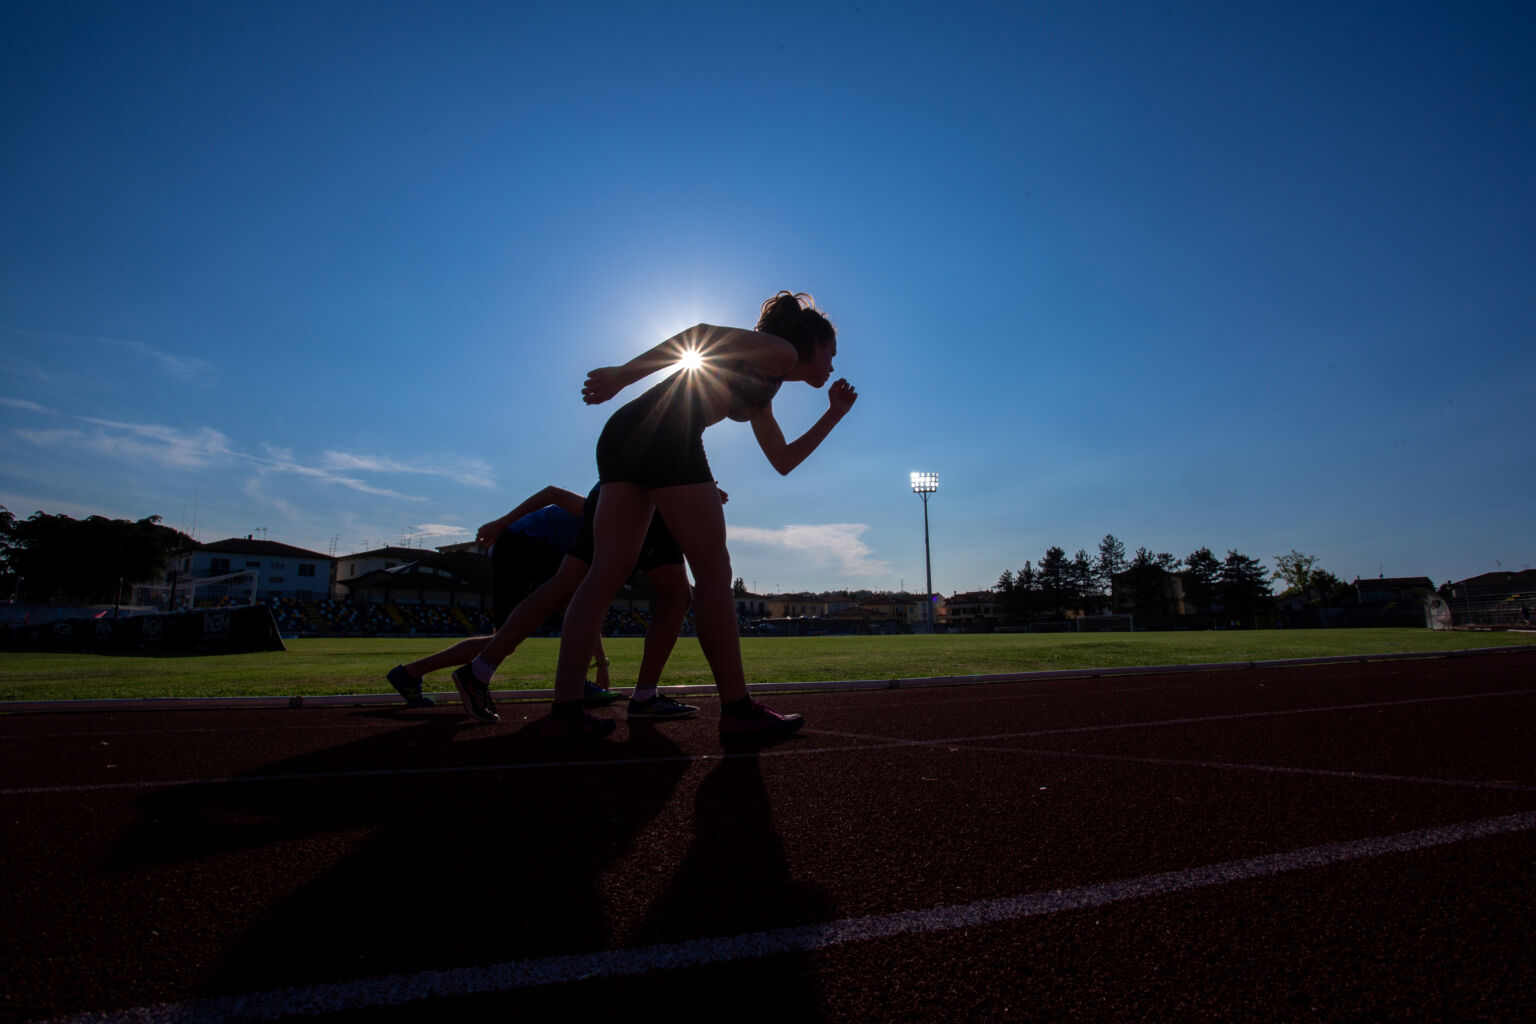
759	722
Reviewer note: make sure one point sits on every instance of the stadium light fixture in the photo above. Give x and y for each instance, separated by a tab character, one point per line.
924	484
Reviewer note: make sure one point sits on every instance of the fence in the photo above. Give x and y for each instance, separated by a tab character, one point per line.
1505	614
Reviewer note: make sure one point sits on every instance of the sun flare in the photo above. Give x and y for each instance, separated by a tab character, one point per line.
692	359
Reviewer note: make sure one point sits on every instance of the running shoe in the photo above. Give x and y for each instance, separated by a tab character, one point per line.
555	729
659	707
758	723
408	686
596	697
475	695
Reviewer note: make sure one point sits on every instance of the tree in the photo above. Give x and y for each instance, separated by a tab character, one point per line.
1244	584
7	545
1201	572
1332	592
1082	582
1026	587
1295	569
1053	575
1008	597
1147	579
64	559
739	587
1111	562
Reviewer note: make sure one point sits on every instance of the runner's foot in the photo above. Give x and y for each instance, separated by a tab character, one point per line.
660	707
475	695
408	687
757	723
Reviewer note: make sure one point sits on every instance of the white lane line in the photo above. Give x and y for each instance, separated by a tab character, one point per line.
1162	722
867	742
1273	769
400	989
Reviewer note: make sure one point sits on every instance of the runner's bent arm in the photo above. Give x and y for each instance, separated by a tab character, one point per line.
786	456
769	355
568	500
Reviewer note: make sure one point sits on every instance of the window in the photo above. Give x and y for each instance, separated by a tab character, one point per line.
274	579
218	566
306	569
253	565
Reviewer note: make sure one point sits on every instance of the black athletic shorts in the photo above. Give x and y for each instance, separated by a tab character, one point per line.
658	439
660	547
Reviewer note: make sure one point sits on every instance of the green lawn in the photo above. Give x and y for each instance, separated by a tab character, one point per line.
315	667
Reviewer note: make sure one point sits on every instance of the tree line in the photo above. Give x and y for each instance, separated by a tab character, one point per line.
1082	583
52	559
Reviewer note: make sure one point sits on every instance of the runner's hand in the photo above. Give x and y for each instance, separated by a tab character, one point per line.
602	384
486	536
841	396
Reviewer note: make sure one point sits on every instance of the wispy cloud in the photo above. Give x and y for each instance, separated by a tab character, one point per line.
154	442
187	448
186	368
839	545
435	531
255	489
25	404
181	367
279	460
460	469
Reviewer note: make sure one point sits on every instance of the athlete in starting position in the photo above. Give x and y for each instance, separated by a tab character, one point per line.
650	459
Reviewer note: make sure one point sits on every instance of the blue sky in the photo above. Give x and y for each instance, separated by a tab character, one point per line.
1189	273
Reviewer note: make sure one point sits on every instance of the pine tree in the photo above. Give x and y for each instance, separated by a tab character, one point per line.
1244	585
1201	572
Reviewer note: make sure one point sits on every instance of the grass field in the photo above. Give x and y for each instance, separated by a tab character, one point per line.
354	666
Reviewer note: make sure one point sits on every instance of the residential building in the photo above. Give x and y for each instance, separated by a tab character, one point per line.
350	568
796	606
908	610
1384	590
972	611
752	606
281	569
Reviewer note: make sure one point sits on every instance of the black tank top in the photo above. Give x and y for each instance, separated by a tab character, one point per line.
750	390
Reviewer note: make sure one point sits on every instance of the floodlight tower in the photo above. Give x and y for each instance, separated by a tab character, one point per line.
924	484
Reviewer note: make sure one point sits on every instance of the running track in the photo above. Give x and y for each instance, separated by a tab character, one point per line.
1342	842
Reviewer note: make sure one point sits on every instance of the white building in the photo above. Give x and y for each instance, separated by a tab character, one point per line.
281	569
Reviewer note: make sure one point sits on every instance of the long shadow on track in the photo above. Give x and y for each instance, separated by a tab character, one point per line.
419	871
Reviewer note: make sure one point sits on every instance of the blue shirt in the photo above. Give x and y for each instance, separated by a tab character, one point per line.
551	524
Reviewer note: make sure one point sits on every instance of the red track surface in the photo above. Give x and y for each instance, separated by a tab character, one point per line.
1346	842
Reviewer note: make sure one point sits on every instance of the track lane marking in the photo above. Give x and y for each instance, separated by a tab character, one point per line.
867	742
1199	720
402	989
1274	769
